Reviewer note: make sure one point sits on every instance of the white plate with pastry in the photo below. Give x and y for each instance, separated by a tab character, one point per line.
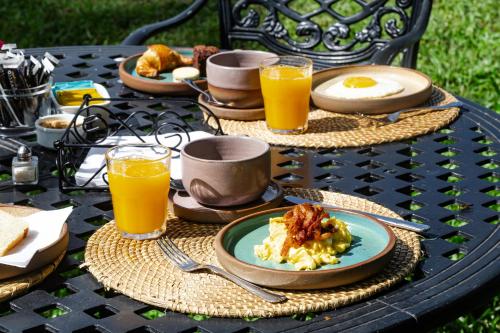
369	89
160	69
15	232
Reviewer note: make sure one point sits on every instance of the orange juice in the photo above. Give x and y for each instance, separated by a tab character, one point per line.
286	91
139	190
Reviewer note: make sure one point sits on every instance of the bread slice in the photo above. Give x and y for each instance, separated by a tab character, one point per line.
12	231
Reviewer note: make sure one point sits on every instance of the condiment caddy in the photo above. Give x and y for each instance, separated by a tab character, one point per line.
73	149
24	88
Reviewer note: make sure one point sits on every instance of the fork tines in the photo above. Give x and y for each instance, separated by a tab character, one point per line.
173	252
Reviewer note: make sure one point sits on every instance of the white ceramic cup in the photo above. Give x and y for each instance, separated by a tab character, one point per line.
47	136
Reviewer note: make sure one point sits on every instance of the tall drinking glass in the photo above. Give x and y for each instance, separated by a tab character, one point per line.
286	87
139	181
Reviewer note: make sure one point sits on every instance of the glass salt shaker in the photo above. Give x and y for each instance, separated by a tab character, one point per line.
24	167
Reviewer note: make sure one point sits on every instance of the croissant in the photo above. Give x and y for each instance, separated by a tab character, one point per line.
159	58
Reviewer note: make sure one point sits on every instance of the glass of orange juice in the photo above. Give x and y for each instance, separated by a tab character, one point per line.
286	87
139	181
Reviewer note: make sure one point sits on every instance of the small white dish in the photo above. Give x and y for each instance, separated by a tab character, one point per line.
46	136
67	109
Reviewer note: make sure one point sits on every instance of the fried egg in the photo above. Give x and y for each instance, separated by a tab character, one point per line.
312	254
364	87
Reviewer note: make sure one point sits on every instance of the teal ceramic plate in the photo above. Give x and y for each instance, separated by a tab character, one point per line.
371	248
162	85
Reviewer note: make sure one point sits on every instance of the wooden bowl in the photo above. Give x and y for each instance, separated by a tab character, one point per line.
189	209
240	99
233	113
417	89
41	258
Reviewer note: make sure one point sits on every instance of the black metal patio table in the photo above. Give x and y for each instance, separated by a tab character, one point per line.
447	179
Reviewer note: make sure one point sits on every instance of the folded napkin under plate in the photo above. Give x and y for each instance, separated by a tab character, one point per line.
95	158
44	229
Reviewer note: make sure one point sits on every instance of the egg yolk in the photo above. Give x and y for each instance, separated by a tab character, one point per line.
359	82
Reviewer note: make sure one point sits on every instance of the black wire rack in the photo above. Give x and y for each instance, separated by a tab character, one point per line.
93	124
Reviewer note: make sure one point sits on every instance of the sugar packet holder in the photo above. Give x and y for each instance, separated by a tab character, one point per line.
27	73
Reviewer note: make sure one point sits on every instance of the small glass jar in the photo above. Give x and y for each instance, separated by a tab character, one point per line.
24	106
24	167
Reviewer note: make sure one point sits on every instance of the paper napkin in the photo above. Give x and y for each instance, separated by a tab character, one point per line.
95	157
44	229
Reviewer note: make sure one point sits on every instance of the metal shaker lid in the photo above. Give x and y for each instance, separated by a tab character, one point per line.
23	153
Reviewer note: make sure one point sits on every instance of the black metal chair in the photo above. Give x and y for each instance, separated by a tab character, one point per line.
373	31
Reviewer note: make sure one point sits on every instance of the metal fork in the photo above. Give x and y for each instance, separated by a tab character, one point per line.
181	260
209	98
10	144
393	117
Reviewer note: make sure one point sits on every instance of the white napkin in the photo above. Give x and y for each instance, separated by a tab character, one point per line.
44	229
95	157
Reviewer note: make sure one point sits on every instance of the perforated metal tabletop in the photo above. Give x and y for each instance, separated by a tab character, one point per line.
447	179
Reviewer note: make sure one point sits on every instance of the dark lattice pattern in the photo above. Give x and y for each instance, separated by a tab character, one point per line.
331	32
352	24
447	179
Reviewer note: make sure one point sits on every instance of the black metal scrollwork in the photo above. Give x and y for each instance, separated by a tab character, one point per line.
251	20
404	3
99	124
311	31
337	31
274	27
337	37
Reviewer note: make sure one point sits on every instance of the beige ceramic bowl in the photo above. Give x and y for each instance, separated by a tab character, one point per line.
46	136
226	170
233	77
417	89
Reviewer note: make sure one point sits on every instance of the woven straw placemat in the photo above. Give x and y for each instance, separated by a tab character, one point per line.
20	284
139	269
335	130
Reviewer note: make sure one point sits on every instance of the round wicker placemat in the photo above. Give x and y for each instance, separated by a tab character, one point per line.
20	284
329	129
139	269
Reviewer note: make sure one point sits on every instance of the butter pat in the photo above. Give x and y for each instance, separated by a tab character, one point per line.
185	73
75	97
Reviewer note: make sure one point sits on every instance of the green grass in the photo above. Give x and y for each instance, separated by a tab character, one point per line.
5	176
485	320
62	292
152	314
66	22
459	52
198	317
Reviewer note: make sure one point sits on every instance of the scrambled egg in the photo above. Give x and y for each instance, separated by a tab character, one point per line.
311	254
